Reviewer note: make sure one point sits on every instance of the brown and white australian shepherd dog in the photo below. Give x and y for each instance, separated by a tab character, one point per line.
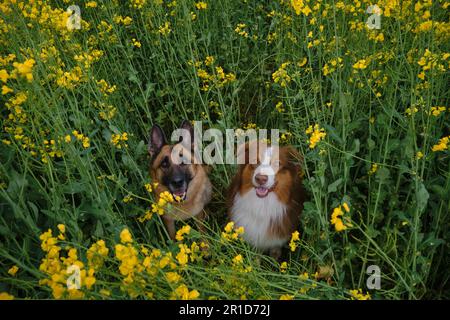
184	178
266	196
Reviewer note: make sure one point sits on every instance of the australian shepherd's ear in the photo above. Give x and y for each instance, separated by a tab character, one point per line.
294	159
266	196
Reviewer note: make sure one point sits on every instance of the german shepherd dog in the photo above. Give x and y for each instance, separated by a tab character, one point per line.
185	179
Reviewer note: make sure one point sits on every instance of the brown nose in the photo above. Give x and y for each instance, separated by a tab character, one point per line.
261	179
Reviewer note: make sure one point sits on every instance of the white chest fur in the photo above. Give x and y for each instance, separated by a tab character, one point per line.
256	215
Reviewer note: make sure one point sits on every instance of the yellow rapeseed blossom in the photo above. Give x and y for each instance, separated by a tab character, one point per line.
316	134
6	90
119	140
164	29
279	107
13	270
183	293
436	111
373	169
125	236
25	69
442	145
301	7
91	4
184	230
96	254
281	76
127	198
201	5
173	277
6	296
295	238
336	219
361	64
357	294
232	233
135	43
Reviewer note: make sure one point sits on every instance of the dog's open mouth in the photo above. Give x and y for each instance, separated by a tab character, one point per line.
262	191
179	195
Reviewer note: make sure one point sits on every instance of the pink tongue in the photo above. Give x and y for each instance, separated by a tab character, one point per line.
260	191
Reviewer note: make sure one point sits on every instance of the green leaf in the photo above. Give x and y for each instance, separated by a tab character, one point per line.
422	197
333	187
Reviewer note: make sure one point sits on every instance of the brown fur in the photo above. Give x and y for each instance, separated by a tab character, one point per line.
288	187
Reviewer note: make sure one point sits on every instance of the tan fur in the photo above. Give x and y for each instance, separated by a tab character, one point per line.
198	193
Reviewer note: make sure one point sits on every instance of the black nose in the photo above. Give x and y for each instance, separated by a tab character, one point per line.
177	182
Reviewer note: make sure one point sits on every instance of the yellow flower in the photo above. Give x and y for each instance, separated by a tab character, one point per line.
67	138
201	5
184	230
346	207
316	135
411	111
442	145
6	90
13	270
229	227
148	187
135	43
91	4
183	256
183	293
279	107
61	228
125	236
283	267
6	296
286	297
238	259
4	75
373	169
209	60
164	29
119	140
24	69
281	76
294	239
419	155
436	111
127	198
361	64
358	295
300	7
336	218
173	277
302	62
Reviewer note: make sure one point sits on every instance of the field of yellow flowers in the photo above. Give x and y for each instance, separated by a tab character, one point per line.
368	109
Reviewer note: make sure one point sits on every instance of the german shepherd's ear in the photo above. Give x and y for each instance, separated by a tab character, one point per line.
156	141
188	135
